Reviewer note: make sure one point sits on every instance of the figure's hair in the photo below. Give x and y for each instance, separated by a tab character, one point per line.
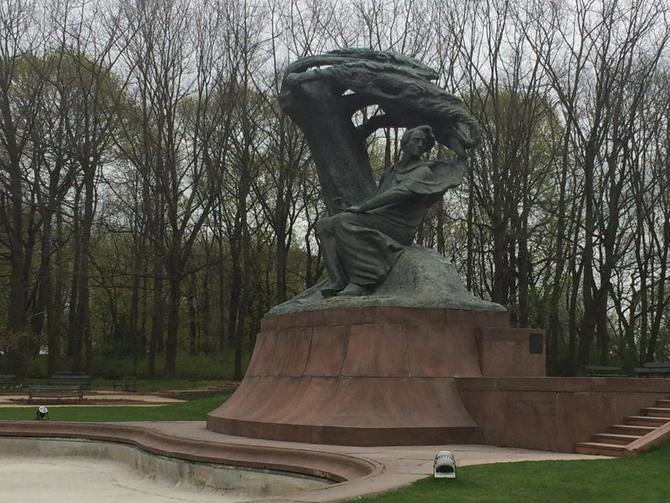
427	132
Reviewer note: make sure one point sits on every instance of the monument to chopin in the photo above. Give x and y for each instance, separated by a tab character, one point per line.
369	355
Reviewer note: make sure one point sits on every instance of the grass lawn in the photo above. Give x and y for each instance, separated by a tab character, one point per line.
195	410
641	478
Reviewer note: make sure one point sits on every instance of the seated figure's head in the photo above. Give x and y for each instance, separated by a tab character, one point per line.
417	141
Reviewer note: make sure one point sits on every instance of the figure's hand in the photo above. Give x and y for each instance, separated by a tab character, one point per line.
354	209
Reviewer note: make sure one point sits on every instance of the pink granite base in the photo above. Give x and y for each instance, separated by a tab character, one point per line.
368	376
553	413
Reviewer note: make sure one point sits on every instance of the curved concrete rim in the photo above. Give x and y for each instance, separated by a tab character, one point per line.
328	465
359	471
32	469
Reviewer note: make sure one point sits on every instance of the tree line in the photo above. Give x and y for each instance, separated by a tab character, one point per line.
155	201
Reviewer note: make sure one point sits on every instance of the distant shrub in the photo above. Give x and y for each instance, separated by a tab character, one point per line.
195	368
37	367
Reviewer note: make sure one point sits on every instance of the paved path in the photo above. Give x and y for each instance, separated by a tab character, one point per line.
108	397
402	465
371	469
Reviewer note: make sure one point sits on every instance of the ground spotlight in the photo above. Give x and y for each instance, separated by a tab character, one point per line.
444	465
42	412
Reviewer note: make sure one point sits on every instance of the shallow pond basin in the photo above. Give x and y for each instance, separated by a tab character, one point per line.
78	471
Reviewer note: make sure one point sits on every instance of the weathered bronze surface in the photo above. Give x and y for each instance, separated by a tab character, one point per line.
363	243
371	226
321	94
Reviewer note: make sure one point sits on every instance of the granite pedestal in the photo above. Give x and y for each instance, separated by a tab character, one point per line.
370	376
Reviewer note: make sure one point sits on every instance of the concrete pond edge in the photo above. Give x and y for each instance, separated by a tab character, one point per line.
338	468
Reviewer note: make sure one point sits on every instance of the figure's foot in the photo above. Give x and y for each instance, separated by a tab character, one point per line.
332	289
353	290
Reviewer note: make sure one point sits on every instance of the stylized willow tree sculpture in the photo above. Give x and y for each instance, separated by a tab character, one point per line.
321	94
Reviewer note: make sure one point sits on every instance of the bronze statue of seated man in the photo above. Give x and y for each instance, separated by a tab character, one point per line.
362	244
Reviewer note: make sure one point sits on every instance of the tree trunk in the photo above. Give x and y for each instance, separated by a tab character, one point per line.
156	317
660	299
554	322
281	254
173	324
192	318
138	269
500	284
74	284
222	297
56	304
82	328
470	233
589	320
43	275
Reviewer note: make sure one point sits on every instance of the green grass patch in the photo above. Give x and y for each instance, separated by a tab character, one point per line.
206	367
211	367
641	478
194	410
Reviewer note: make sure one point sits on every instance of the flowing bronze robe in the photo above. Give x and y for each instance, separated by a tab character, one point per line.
369	242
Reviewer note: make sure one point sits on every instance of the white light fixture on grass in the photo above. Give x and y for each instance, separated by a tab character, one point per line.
42	412
444	465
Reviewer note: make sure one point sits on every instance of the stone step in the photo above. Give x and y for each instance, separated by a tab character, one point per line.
614	438
656	411
630	429
599	448
663	403
646	420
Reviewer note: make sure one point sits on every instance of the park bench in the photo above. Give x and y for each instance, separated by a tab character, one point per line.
61	385
128	383
55	391
604	371
653	369
8	382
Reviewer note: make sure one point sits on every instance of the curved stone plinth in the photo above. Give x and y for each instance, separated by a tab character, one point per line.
367	376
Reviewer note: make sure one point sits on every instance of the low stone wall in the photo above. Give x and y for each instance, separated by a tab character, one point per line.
552	413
